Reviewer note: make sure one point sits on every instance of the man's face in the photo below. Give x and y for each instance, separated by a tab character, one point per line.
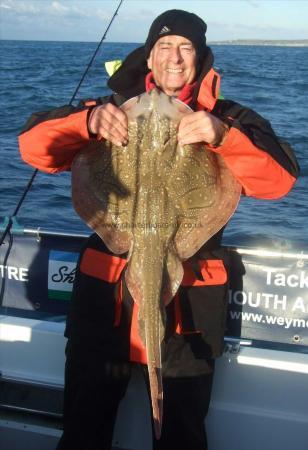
173	63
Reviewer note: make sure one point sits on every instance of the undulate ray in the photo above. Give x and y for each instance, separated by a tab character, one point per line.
158	201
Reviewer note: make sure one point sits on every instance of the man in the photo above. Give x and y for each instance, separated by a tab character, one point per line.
101	327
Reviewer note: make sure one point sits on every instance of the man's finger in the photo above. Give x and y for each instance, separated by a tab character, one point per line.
193	122
117	114
108	117
194	127
112	119
194	138
115	129
193	117
113	135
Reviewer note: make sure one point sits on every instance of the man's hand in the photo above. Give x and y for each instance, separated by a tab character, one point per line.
109	122
201	126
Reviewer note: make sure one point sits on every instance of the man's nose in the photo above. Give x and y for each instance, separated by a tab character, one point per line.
175	55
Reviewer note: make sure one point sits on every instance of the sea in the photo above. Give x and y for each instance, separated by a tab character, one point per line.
38	76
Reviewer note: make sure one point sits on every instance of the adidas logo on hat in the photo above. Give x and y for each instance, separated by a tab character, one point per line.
164	30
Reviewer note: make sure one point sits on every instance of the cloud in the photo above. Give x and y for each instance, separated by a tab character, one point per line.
61	10
55	19
4	6
71	11
101	14
58	7
55	8
221	31
143	14
22	7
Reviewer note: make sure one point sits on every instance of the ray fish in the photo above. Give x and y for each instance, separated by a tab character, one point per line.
158	201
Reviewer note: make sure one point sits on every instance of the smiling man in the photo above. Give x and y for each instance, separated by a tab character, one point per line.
101	326
172	61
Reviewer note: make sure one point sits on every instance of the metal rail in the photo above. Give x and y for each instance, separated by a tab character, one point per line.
261	252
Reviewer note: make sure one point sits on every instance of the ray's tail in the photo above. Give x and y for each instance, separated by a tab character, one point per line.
153	347
147	293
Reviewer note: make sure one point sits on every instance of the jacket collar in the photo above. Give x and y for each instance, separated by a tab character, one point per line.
186	94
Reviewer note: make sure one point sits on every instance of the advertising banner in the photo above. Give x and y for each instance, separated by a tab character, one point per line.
37	275
268	298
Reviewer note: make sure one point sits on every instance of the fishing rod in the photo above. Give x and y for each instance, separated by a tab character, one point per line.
30	182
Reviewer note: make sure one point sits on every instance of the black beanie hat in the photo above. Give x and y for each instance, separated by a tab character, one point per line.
128	80
180	23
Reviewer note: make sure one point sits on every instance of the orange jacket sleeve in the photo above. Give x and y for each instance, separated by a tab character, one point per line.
49	141
259	173
265	166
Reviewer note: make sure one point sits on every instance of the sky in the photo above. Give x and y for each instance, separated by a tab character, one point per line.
72	20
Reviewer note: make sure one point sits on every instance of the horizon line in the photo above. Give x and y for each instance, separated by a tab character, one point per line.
142	43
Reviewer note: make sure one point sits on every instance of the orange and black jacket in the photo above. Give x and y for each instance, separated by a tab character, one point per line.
102	311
